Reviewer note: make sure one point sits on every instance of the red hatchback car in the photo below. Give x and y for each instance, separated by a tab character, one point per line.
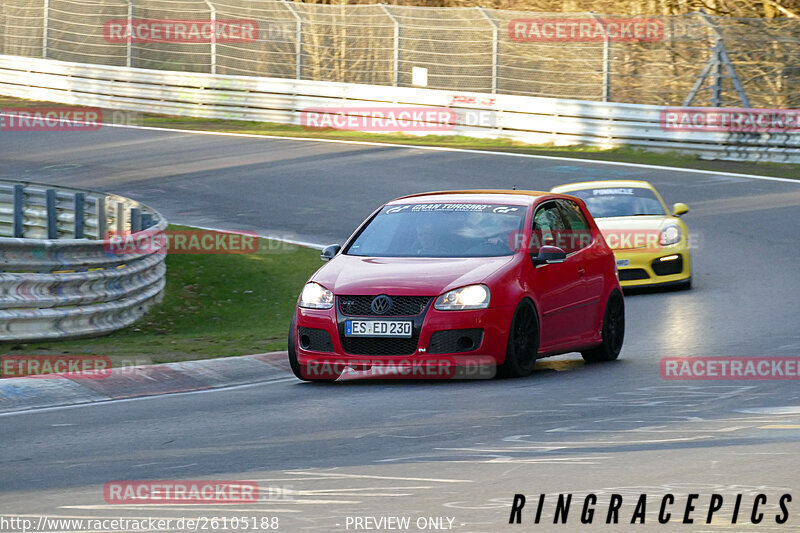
436	282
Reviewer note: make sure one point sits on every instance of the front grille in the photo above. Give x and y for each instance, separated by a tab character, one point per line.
455	340
380	345
315	340
630	274
667	268
401	305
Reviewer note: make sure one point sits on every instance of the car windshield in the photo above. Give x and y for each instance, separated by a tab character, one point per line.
441	230
620	202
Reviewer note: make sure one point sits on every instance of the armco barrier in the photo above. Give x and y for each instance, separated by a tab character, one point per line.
57	278
523	118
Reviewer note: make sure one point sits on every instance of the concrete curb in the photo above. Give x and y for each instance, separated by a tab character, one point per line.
23	394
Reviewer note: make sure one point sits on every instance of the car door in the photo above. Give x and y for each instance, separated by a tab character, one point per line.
589	264
558	285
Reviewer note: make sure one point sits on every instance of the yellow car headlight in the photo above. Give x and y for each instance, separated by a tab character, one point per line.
670	235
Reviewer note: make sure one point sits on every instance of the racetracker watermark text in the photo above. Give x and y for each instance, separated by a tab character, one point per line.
180	31
181	242
379	119
55	366
730	368
396	119
731	120
444	367
587	29
180	491
629	240
64	118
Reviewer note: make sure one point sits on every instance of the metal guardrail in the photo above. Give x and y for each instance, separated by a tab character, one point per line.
59	277
524	118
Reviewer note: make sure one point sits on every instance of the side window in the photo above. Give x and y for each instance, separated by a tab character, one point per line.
548	227
579	233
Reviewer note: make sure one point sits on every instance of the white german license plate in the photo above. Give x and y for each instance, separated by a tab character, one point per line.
623	262
377	328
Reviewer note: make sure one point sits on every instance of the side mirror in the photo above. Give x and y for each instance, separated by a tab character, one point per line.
680	209
329	252
549	255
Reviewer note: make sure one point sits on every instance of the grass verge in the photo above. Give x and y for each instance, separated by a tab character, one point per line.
215	305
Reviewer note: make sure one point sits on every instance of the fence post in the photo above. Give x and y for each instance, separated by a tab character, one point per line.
495	48
45	27
719	59
716	88
395	45
606	68
213	14
298	47
52	214
697	84
606	61
78	222
129	39
19	211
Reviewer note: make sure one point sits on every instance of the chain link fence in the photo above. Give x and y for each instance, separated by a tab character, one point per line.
691	59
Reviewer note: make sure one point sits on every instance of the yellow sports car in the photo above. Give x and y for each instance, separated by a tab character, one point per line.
651	245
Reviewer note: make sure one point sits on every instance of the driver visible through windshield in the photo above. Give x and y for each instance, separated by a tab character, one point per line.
620	202
441	230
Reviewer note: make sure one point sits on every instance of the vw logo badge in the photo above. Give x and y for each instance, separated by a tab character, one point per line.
381	304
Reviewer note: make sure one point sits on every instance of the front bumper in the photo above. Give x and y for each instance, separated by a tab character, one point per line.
430	354
648	268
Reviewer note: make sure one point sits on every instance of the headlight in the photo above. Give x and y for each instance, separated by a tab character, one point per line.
315	296
469	297
670	235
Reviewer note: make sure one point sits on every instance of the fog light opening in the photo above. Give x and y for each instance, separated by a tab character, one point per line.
465	344
305	342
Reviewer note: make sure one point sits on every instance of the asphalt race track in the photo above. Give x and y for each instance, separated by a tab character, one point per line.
325	454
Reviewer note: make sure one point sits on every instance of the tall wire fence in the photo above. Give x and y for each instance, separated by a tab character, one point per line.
690	59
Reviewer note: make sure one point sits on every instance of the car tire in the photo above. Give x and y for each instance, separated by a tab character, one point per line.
523	342
613	331
295	364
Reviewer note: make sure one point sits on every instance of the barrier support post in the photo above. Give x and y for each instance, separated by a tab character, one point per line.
136	219
80	202
52	214
19	211
119	217
102	218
